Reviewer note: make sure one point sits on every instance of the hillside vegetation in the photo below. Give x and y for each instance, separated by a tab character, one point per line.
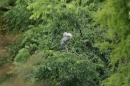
30	36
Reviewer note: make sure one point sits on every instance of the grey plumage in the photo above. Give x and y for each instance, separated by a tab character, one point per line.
64	41
66	38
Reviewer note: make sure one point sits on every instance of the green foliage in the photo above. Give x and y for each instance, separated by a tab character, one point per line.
52	18
6	3
59	18
66	69
22	55
43	23
17	17
114	16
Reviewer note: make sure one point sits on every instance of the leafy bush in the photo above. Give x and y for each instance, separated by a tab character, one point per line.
66	69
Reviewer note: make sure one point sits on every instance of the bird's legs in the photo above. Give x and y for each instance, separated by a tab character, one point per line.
66	48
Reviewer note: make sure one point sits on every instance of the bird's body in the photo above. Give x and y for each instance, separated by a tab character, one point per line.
66	38
64	41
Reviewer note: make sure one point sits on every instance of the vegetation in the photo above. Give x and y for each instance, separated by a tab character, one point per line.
66	69
115	17
98	51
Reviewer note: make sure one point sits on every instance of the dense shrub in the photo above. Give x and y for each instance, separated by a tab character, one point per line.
66	69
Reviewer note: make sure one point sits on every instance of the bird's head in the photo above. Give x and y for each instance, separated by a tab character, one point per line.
65	34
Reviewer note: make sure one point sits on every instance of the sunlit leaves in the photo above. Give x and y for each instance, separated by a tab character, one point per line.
114	15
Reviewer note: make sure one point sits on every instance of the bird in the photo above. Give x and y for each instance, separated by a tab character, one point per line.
66	37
